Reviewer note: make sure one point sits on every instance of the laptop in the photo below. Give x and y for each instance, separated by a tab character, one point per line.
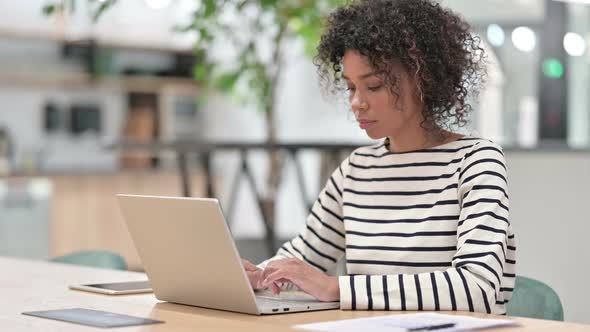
190	257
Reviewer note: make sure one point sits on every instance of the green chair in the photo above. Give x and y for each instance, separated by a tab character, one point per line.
94	258
534	299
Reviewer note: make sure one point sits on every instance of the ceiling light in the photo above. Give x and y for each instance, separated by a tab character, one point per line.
524	39
496	35
574	44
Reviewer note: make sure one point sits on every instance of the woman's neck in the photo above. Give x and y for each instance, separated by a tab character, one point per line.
420	139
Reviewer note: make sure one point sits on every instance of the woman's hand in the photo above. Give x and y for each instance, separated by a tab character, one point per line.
253	272
254	276
308	279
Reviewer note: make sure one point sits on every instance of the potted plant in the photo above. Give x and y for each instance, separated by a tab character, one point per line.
267	24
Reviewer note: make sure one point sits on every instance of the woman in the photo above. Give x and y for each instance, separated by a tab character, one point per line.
422	218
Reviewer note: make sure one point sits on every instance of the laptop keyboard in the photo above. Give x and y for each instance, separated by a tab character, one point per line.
289	296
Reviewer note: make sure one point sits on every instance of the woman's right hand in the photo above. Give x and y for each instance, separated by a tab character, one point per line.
253	272
255	275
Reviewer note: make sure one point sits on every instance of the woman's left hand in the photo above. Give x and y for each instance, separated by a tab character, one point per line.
307	278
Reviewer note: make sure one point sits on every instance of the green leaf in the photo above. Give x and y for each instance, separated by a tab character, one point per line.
311	36
241	5
201	72
185	27
268	3
102	9
210	8
295	24
49	9
227	81
205	35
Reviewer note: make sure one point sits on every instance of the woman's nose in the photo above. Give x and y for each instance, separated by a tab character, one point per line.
357	103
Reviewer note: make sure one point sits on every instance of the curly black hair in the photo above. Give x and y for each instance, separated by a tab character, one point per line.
432	43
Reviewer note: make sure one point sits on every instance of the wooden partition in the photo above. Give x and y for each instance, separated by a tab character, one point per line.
85	214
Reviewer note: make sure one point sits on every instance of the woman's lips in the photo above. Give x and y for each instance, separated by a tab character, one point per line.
366	124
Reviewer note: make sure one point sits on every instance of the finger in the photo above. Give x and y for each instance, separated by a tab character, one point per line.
275	288
273	266
268	270
246	264
275	277
260	284
249	266
254	278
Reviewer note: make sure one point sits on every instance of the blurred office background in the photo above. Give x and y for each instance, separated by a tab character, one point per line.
71	88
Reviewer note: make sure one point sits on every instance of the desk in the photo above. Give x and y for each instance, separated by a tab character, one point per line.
35	285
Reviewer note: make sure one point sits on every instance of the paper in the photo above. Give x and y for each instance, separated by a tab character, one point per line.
407	322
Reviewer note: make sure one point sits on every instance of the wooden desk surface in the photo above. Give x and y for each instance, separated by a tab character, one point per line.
35	285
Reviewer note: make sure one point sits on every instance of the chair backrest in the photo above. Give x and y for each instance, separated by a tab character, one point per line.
101	259
534	299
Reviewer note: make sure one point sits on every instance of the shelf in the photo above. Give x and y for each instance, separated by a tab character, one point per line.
99	43
149	84
74	79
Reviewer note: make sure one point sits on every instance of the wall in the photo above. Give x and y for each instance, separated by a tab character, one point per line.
549	212
21	113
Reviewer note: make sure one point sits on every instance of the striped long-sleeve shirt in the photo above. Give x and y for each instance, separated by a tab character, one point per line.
420	230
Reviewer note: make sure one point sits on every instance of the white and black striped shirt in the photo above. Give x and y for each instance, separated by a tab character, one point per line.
420	230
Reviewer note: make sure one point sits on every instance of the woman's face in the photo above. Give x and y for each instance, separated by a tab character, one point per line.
379	112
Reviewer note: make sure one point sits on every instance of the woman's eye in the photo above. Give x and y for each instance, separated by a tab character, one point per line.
350	88
375	88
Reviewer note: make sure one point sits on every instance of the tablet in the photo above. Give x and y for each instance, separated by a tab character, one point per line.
94	318
116	288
